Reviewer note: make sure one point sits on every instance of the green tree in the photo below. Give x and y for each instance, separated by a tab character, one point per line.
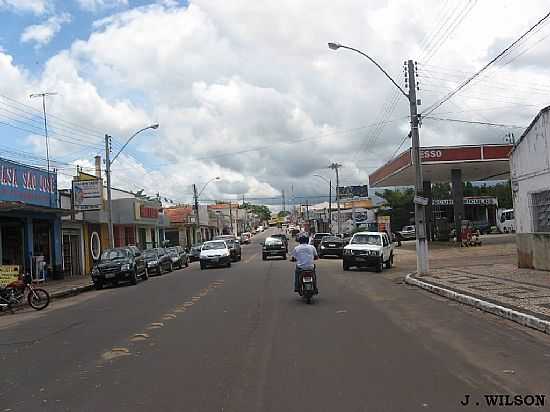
261	210
401	206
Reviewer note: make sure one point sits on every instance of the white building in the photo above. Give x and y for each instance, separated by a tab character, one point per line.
530	170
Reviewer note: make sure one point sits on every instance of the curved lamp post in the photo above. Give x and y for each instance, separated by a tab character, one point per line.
196	201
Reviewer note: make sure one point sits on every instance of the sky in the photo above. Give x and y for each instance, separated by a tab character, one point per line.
250	92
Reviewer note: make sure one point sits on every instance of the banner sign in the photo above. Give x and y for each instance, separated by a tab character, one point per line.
88	194
8	274
26	184
470	201
349	192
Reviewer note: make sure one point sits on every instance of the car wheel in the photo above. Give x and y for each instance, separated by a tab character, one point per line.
264	257
389	263
203	266
145	275
379	266
187	262
170	268
228	264
98	285
345	266
284	256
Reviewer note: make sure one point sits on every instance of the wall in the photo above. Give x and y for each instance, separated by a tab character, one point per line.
530	169
533	250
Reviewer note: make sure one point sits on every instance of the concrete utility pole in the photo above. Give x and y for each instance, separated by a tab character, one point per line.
335	167
419	207
198	233
420	202
109	199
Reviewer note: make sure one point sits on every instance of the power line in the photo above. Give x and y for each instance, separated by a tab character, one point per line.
509	126
499	56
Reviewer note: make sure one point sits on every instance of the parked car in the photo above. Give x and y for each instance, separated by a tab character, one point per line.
407	233
233	244
506	222
369	249
331	246
273	246
215	253
195	252
283	238
315	240
118	265
245	238
157	261
179	256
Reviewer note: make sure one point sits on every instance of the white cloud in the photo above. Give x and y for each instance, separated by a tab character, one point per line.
33	6
250	91
42	34
98	5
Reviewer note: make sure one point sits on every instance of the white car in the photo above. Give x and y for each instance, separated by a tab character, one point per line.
215	253
368	249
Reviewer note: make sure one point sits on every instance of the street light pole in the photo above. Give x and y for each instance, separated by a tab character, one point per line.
335	167
108	164
422	266
196	206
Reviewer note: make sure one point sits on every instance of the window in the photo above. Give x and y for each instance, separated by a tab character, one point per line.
540	206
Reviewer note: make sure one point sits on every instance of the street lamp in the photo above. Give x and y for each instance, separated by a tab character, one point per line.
196	201
108	164
329	197
420	201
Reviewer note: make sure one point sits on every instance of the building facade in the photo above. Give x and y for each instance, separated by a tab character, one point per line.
30	220
530	170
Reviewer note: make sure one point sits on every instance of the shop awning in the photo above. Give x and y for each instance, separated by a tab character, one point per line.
23	207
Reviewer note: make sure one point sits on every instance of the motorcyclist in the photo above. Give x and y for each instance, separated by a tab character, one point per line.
304	255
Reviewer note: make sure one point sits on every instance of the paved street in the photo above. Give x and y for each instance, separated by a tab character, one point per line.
238	339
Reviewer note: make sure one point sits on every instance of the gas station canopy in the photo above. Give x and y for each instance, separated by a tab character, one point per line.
478	162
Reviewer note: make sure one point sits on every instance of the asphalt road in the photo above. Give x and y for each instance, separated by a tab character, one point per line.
239	340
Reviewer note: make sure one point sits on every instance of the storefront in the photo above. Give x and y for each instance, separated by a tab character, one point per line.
479	209
30	220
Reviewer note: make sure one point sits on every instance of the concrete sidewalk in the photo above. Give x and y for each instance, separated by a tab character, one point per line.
504	287
67	287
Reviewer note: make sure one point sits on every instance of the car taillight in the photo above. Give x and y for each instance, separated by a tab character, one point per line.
308	279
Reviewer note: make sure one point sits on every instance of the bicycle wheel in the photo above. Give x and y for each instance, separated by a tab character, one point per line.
38	298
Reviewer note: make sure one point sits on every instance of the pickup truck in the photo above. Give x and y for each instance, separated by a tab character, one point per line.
407	233
368	249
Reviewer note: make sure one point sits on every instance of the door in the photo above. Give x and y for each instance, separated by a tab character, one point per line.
385	247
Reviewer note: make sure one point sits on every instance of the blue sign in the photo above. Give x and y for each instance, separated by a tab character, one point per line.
27	184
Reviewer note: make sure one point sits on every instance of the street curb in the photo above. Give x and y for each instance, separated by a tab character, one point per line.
72	291
504	312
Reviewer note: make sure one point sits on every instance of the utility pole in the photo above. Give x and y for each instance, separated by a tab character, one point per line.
43	96
231	218
419	208
197	219
335	167
330	205
284	203
109	197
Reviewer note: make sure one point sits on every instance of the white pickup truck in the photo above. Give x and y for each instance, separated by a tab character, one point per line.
369	249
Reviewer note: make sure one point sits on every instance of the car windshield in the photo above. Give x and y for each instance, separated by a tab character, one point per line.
114	254
213	246
150	253
320	235
331	239
270	241
366	240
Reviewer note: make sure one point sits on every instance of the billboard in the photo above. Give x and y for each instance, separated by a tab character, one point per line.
87	194
349	192
27	184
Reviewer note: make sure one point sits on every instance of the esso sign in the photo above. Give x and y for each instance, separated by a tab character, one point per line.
430	154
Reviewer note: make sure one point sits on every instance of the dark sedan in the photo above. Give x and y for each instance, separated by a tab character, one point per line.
331	246
273	247
195	252
157	261
179	256
118	265
283	238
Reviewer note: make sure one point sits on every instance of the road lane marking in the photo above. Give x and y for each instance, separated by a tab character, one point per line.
139	337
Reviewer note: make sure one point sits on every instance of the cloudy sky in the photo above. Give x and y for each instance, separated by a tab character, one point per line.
249	91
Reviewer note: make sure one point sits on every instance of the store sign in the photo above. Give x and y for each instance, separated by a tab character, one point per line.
8	274
20	183
470	201
349	192
146	212
88	194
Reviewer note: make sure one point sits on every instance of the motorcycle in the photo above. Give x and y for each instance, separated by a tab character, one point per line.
307	284
14	294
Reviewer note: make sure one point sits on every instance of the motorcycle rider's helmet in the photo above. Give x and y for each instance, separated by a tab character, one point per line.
303	239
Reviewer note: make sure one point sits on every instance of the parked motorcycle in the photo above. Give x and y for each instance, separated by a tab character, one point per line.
14	294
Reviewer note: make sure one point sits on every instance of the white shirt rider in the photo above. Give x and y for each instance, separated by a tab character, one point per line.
305	255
